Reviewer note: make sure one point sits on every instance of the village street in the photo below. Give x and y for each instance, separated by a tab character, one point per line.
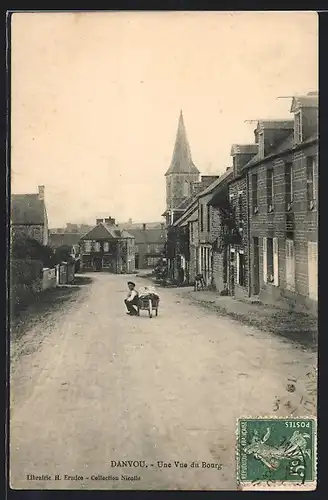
91	385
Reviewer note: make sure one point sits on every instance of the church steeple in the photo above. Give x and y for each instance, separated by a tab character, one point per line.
181	160
182	172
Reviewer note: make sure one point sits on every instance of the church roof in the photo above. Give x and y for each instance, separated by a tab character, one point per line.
181	160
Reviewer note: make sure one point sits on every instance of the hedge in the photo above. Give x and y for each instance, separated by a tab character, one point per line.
25	279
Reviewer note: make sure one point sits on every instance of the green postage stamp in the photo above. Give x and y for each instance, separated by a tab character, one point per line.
276	453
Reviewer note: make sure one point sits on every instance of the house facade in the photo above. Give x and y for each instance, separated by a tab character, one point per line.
237	252
194	232
107	248
149	246
29	216
283	202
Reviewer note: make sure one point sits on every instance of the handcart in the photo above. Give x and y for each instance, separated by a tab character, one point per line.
148	301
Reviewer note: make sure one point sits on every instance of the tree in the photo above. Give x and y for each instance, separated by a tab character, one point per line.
29	248
63	254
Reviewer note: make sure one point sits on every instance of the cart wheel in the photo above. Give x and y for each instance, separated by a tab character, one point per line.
150	310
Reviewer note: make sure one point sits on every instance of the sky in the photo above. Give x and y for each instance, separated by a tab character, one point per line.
96	98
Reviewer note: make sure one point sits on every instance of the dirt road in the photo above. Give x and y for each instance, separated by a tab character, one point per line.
91	386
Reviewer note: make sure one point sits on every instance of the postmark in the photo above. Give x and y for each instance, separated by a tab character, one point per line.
276	453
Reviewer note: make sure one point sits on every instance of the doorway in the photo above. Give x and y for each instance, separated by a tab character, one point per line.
97	263
256	266
137	261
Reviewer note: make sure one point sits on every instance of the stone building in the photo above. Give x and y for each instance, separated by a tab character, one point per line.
238	281
283	187
107	248
29	216
149	245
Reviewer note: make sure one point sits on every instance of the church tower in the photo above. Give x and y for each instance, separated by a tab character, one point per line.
182	172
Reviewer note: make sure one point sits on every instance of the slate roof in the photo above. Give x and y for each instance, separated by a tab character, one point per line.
27	209
306	101
276	124
185	203
148	236
106	232
181	160
59	239
208	190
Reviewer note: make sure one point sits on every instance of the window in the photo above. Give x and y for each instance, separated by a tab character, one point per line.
290	265
208	218
261	145
313	269
201	217
106	261
148	249
87	262
136	249
241	269
186	188
270	270
289	185
87	246
270	261
254	193
106	246
97	246
298	128
310	179
270	189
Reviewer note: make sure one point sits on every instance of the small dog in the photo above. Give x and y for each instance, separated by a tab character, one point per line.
199	282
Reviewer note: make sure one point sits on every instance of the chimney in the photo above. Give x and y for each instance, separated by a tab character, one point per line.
242	154
144	227
41	192
98	221
110	221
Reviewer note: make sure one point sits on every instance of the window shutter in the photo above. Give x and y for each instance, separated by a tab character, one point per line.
265	263
275	262
237	266
313	270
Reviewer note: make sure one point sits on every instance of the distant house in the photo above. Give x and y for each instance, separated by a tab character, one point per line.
106	247
149	246
29	216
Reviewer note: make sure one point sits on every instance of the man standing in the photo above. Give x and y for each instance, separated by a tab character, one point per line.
132	299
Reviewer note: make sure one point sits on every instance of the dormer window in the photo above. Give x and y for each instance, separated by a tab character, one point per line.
298	128
261	145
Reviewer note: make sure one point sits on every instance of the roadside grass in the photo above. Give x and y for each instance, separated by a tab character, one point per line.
297	327
41	305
